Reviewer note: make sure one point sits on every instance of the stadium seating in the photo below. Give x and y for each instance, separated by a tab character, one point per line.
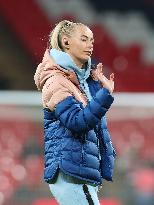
16	168
123	42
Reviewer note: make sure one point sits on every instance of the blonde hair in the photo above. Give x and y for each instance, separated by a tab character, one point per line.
64	27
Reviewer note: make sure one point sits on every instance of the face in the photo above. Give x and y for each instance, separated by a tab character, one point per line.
80	44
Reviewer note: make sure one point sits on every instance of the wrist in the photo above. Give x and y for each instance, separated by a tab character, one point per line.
110	90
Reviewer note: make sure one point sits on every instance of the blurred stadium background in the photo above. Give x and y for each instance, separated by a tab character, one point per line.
124	43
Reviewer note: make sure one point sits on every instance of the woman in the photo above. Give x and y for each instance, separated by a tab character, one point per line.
75	97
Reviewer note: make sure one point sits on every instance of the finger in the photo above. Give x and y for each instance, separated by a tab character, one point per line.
99	64
100	67
112	76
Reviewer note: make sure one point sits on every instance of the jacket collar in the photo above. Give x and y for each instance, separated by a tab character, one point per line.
64	60
48	67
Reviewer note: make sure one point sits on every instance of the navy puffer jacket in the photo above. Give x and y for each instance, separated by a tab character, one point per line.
77	140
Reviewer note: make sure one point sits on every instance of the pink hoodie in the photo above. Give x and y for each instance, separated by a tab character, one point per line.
56	83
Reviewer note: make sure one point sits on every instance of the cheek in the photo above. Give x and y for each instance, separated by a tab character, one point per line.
77	48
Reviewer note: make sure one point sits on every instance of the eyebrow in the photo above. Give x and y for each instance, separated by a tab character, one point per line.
87	37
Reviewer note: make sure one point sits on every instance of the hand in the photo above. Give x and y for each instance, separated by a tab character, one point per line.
106	83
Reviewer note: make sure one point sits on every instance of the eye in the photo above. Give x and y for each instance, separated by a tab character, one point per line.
83	39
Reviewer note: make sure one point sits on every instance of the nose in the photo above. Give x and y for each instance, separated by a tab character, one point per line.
90	46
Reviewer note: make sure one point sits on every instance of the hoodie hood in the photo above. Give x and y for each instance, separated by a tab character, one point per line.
64	60
47	68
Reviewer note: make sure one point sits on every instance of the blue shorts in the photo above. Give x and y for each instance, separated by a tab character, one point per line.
69	193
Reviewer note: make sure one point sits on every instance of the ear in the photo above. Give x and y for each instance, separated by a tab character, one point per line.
65	42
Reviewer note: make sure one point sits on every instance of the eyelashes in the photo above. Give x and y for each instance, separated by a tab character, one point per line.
84	40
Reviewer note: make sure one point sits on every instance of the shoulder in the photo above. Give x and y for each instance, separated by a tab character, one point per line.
55	90
57	79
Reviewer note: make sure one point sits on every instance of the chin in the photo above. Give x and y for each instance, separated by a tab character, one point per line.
84	60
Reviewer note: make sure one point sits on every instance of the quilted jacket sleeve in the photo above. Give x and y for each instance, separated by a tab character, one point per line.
79	119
